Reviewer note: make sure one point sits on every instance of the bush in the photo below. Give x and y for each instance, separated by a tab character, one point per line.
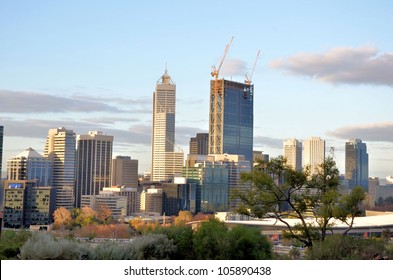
182	237
339	247
43	246
10	243
247	243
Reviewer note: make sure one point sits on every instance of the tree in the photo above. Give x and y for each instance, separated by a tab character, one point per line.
210	242
86	216
105	214
182	237
183	218
245	243
282	193
62	218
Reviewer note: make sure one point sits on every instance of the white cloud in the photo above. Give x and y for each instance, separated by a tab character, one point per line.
382	132
234	67
342	65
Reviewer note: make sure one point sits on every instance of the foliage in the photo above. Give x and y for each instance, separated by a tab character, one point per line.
104	231
182	237
139	225
153	247
11	242
62	218
341	247
245	243
282	193
209	240
86	216
105	214
113	251
183	218
43	246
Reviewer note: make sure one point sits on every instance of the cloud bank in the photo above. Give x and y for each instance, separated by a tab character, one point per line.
31	102
378	132
342	65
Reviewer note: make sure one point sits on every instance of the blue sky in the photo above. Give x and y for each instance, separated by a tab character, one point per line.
326	69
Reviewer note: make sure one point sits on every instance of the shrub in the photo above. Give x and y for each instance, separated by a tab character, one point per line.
43	246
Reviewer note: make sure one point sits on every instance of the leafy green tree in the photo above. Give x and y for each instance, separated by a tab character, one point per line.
245	243
210	242
182	237
86	216
314	200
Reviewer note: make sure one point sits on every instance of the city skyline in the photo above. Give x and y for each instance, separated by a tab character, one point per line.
325	70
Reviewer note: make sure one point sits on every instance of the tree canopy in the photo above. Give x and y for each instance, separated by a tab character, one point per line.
280	192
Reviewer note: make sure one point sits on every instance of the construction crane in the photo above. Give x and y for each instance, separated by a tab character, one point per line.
216	99
248	80
215	72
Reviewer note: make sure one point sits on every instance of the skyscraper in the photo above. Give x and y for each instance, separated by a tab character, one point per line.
231	118
199	145
293	153
124	172
165	162
314	153
60	149
29	165
356	163
94	163
1	148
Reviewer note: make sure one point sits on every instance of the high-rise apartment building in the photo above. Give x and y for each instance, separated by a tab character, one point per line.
165	161
124	172
60	149
314	153
1	148
199	145
94	164
356	163
293	153
29	165
231	118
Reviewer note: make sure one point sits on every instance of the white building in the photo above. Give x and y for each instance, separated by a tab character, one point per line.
314	153
292	151
165	161
60	149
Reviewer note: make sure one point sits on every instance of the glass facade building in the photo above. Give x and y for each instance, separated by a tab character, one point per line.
231	118
356	163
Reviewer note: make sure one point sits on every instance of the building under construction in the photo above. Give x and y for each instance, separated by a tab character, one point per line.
231	118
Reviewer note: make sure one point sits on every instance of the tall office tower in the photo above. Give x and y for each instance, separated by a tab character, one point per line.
1	148
29	165
165	162
231	118
60	149
94	164
124	172
293	153
199	145
314	153
356	163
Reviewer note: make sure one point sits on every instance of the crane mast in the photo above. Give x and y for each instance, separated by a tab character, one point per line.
216	99
249	80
